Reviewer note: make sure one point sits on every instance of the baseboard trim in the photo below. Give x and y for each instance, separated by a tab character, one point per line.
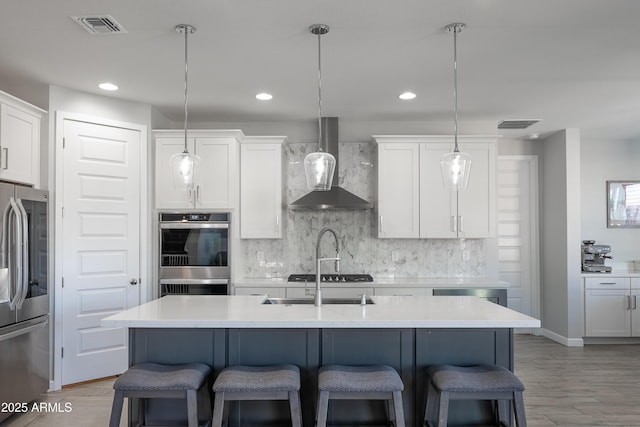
569	342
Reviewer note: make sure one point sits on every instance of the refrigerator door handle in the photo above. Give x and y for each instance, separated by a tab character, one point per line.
17	280
7	221
24	244
25	330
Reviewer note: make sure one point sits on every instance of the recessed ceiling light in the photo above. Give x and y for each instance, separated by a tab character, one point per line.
108	86
263	96
407	95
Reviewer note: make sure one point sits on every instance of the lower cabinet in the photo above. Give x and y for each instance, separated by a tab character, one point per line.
345	292
611	307
275	292
397	291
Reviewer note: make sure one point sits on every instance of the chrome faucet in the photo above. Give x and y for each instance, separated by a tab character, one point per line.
318	299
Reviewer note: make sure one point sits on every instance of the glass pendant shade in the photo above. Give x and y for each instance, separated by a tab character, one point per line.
455	168
319	167
185	168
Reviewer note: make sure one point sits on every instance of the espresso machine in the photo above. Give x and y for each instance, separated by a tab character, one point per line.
593	257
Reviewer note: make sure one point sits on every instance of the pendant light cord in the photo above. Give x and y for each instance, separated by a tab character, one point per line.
186	30
319	94
456	29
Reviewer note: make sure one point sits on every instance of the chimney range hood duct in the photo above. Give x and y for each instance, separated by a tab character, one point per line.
337	197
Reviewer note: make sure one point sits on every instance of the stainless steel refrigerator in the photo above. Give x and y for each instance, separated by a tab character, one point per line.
24	295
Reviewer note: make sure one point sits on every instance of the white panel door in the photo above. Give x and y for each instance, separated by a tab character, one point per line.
217	157
517	232
475	210
260	191
398	190
438	205
167	196
101	241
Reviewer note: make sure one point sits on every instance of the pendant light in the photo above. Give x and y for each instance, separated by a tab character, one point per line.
185	166
455	166
320	165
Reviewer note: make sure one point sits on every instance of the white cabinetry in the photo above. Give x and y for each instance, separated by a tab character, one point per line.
215	187
261	209
275	292
342	292
19	140
611	307
412	200
398	190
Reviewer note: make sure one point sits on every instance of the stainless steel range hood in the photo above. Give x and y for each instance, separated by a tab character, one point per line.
337	197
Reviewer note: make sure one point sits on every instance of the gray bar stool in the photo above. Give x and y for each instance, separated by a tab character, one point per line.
275	382
376	382
152	380
480	382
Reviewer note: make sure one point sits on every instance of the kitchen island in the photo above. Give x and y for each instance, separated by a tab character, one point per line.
408	333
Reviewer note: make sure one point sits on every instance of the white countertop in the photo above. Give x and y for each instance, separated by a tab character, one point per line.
212	311
427	282
614	273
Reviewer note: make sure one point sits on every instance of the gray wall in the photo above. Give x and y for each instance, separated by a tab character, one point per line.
602	161
560	218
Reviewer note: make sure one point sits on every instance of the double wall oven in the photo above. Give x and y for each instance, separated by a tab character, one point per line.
194	253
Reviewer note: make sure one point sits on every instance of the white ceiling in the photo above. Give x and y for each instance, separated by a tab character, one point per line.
572	63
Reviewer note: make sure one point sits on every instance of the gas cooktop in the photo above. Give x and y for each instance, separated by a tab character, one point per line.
331	278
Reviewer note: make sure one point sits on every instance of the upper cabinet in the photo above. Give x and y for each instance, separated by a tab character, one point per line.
19	140
215	187
398	190
261	187
412	200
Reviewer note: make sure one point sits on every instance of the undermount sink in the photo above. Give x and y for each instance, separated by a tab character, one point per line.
325	301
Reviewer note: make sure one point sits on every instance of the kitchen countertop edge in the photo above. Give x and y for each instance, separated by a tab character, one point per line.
433	282
209	311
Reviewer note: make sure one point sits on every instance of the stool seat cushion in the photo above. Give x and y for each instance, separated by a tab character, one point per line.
157	377
258	378
373	378
479	378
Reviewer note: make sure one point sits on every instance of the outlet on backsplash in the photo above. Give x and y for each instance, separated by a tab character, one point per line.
260	256
465	255
394	256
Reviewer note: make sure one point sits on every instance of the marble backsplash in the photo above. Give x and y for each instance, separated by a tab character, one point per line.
361	251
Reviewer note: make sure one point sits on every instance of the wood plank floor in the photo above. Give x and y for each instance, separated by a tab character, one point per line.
595	385
588	386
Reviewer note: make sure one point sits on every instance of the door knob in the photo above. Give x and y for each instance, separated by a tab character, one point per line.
133	281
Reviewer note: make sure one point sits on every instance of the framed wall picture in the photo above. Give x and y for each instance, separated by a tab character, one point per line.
623	204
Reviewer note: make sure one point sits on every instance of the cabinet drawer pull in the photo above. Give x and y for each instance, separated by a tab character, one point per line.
381	224
453	224
628	302
277	223
608	283
461	225
635	303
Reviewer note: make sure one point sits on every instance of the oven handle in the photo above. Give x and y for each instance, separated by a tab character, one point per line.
194	281
193	225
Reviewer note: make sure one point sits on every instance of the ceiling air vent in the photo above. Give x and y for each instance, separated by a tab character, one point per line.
517	124
99	24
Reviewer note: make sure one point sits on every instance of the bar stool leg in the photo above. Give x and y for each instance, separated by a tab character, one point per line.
323	408
398	409
192	408
116	408
518	408
431	404
443	409
294	407
218	409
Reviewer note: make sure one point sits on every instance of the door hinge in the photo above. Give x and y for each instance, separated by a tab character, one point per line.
64	142
62	281
62	352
